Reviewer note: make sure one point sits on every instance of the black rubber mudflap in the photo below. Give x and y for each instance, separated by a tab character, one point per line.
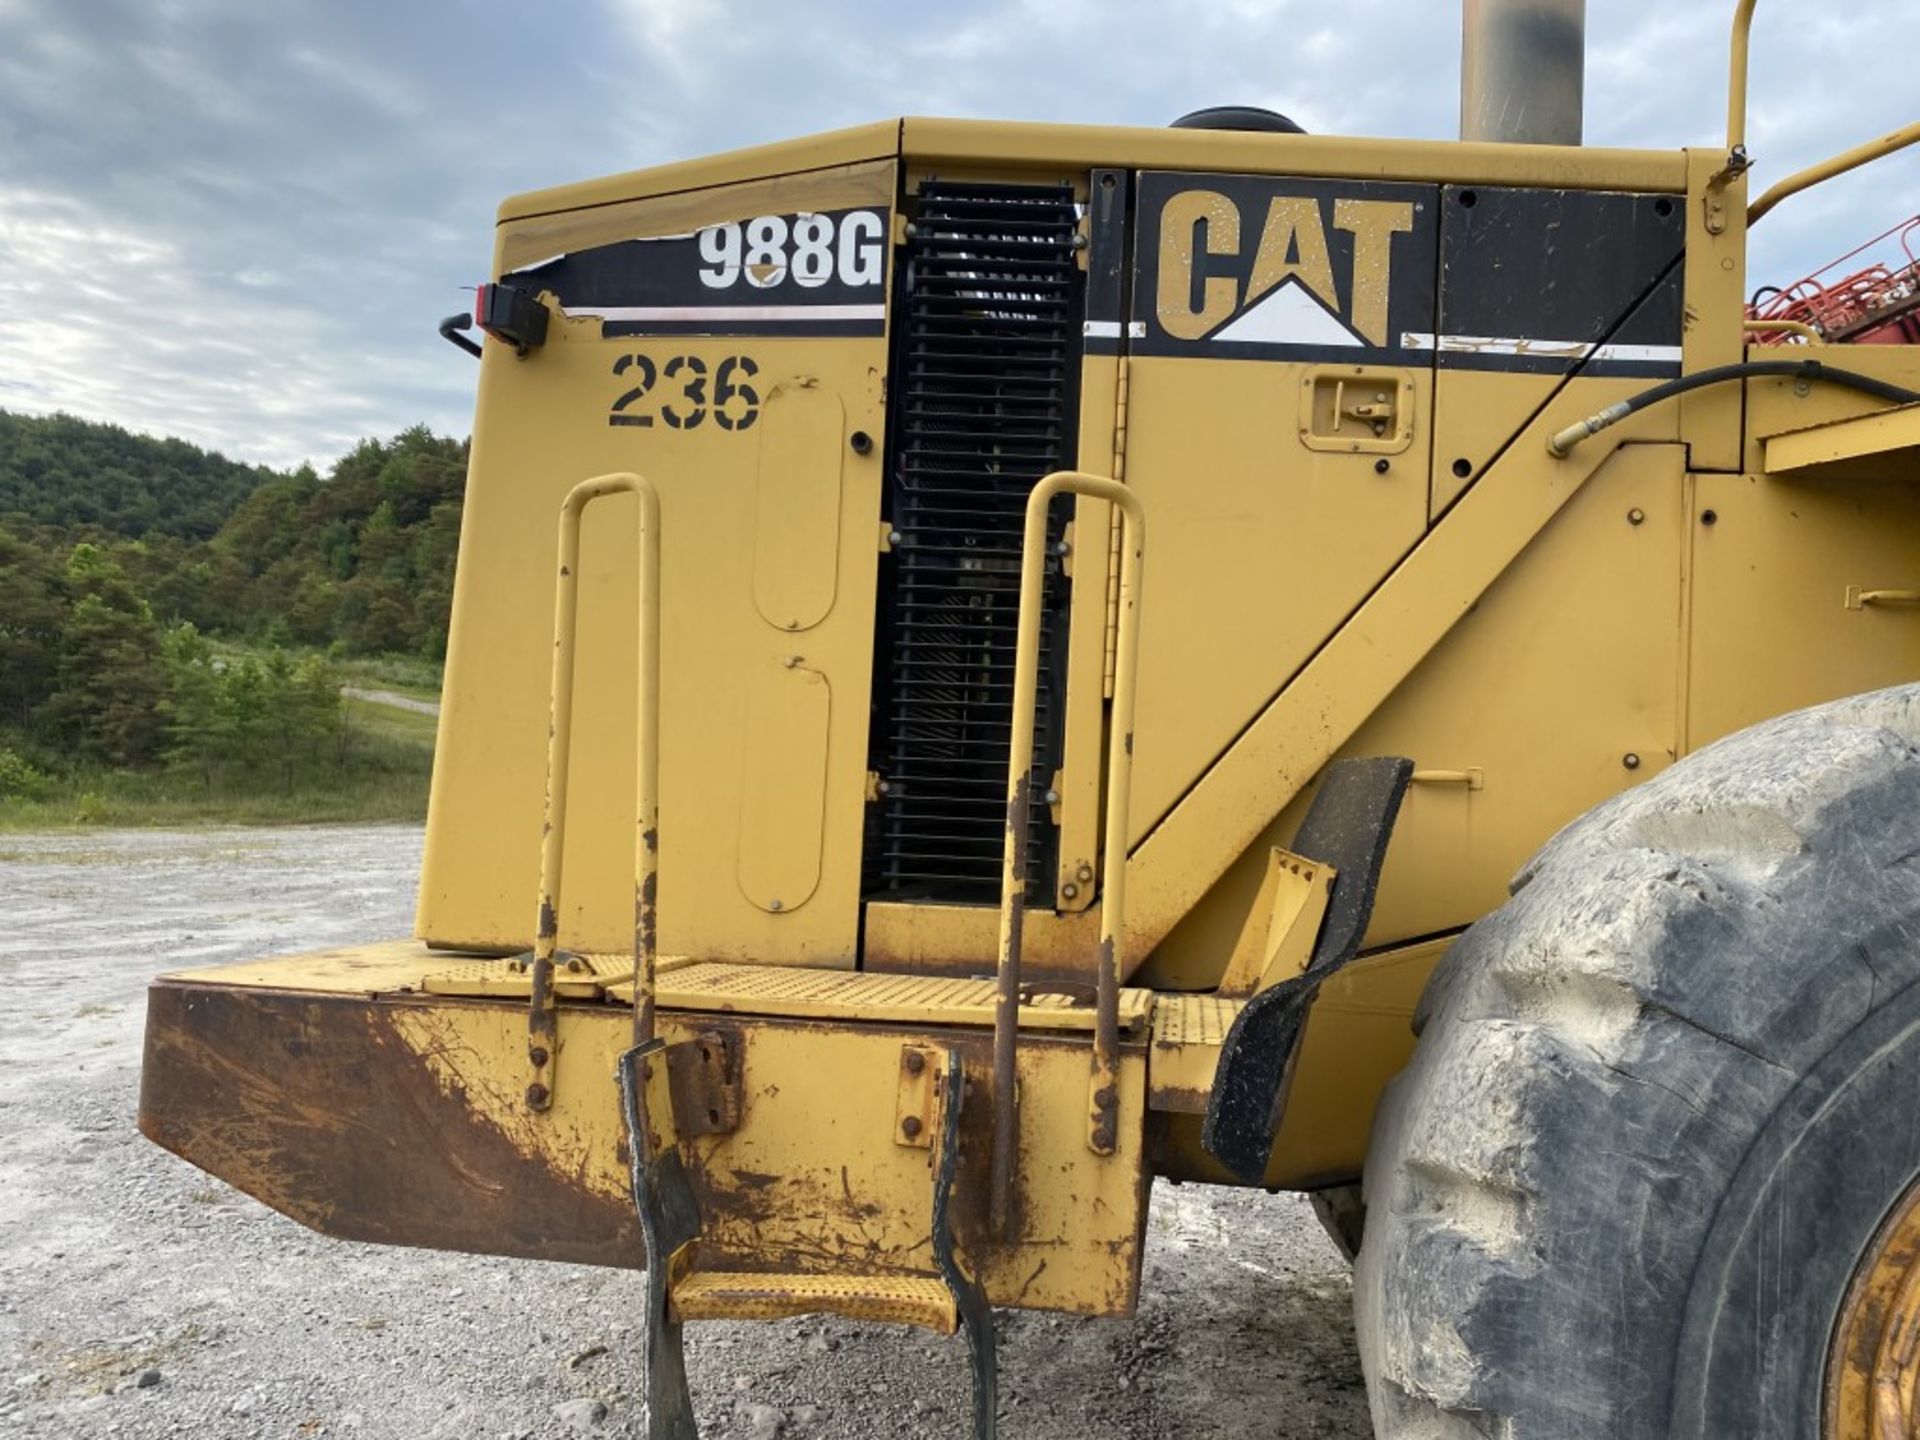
669	1219
1347	827
976	1316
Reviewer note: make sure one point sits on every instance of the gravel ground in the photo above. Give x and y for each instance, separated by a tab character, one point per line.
140	1298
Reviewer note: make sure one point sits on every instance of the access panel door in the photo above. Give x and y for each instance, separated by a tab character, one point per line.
1279	431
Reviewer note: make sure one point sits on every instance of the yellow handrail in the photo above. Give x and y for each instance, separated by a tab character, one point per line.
1786	327
1103	1121
1737	81
541	1031
1839	165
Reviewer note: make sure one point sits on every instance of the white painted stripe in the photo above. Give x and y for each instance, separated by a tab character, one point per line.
1110	329
779	313
1542	349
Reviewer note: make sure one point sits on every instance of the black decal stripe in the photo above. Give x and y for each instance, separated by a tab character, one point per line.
1560	268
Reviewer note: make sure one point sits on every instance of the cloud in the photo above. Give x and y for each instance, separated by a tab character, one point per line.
239	222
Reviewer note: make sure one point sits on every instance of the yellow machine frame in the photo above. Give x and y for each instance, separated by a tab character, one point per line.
1490	571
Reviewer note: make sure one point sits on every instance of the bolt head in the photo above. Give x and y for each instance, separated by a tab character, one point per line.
537	1096
916	1062
1630	760
1103	1137
1070	890
538	1055
775	906
1636	515
910	1127
1085	872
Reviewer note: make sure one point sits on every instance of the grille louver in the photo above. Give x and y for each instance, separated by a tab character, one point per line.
986	362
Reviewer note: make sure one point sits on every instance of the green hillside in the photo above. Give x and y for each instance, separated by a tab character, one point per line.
175	629
61	471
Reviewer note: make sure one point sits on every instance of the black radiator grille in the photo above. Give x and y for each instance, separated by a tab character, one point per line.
986	364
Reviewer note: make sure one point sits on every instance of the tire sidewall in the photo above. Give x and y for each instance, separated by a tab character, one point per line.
1805	1203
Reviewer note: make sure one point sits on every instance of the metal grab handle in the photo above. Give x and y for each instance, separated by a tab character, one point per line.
1103	1123
646	857
1858	598
1838	165
1737	129
1737	82
450	331
1786	327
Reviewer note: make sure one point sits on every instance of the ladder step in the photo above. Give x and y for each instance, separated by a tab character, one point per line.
749	1295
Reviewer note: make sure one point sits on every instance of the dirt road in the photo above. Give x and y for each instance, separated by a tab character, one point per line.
140	1298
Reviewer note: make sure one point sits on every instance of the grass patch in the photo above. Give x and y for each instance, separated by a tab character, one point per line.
407	675
383	775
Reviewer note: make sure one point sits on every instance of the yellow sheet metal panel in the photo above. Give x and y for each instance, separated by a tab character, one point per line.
1772	630
1566	666
812	1180
1093	565
1776	406
936	143
1261	547
783	787
1232	808
796	522
585	403
1716	289
1883	445
784	157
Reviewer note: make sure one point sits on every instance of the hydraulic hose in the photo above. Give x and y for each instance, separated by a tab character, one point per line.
1561	445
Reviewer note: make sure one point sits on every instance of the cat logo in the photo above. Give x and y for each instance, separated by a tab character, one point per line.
1257	267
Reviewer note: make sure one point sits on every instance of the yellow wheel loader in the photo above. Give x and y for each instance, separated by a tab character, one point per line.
1058	642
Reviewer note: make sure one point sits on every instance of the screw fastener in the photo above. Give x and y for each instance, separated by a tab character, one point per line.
1630	760
910	1127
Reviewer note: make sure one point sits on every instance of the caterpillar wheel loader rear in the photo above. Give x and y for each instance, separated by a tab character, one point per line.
1059	636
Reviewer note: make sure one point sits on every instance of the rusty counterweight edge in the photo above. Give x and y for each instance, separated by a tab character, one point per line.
317	1105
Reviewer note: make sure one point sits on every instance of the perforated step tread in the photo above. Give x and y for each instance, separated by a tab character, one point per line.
868	995
919	1300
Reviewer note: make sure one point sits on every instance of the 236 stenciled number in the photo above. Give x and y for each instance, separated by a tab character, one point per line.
688	395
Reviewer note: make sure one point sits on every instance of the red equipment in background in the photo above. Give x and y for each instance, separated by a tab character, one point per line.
1876	305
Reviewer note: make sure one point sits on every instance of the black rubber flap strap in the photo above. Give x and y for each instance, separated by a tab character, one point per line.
1347	827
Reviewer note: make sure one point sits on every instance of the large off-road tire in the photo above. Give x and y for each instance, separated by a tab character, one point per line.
1661	1103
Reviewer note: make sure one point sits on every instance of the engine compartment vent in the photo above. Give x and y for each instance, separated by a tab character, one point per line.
986	366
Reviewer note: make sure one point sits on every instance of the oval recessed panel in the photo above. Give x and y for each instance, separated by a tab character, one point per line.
796	525
783	796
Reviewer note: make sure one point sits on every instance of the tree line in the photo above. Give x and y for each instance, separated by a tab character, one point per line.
109	648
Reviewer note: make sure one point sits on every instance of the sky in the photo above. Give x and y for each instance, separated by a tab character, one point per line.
238	221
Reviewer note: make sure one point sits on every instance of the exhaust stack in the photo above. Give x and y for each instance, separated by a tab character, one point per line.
1522	70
